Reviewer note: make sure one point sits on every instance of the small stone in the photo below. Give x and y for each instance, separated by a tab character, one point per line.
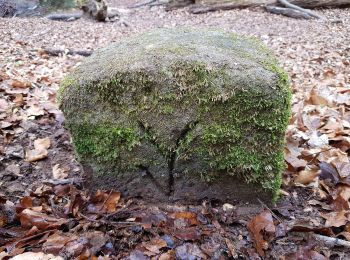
228	207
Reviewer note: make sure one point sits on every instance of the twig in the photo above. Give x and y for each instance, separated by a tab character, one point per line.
272	213
332	241
62	182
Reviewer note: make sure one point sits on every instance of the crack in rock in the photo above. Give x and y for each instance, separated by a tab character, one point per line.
171	157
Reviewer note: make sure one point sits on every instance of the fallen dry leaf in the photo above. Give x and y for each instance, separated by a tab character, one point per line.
343	169
40	152
36	155
307	176
36	256
42	143
104	201
259	226
155	245
20	84
189	216
30	218
336	219
59	173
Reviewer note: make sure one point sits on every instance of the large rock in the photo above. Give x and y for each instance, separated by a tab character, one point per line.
180	114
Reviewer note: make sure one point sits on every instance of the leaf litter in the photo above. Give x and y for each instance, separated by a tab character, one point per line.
45	212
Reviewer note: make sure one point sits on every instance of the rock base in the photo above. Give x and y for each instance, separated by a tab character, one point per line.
185	189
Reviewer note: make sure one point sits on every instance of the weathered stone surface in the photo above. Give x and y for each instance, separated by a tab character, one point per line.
180	114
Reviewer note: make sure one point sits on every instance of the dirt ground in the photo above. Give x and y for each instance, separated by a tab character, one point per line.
316	55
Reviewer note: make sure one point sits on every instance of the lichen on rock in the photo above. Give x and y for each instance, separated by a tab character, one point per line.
180	107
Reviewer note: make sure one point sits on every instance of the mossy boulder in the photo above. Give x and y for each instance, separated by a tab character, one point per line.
180	114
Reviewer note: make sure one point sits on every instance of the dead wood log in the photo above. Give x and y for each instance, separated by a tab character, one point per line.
298	8
112	14
57	52
64	16
288	12
311	4
202	6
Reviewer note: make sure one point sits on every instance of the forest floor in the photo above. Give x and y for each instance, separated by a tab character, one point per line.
44	208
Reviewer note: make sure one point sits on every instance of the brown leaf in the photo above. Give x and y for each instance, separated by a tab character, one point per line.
59	173
336	219
339	204
344	192
26	202
35	110
56	242
112	201
29	218
43	143
19	101
258	226
155	245
20	84
104	201
307	176
36	155
343	169
187	215
40	152
37	256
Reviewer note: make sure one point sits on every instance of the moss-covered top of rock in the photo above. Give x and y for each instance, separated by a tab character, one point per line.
186	101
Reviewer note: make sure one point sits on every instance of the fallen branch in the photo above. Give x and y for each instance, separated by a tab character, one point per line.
287	12
64	17
57	52
203	6
63	182
332	241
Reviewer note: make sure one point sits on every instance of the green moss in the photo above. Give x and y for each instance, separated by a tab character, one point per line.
103	142
65	83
